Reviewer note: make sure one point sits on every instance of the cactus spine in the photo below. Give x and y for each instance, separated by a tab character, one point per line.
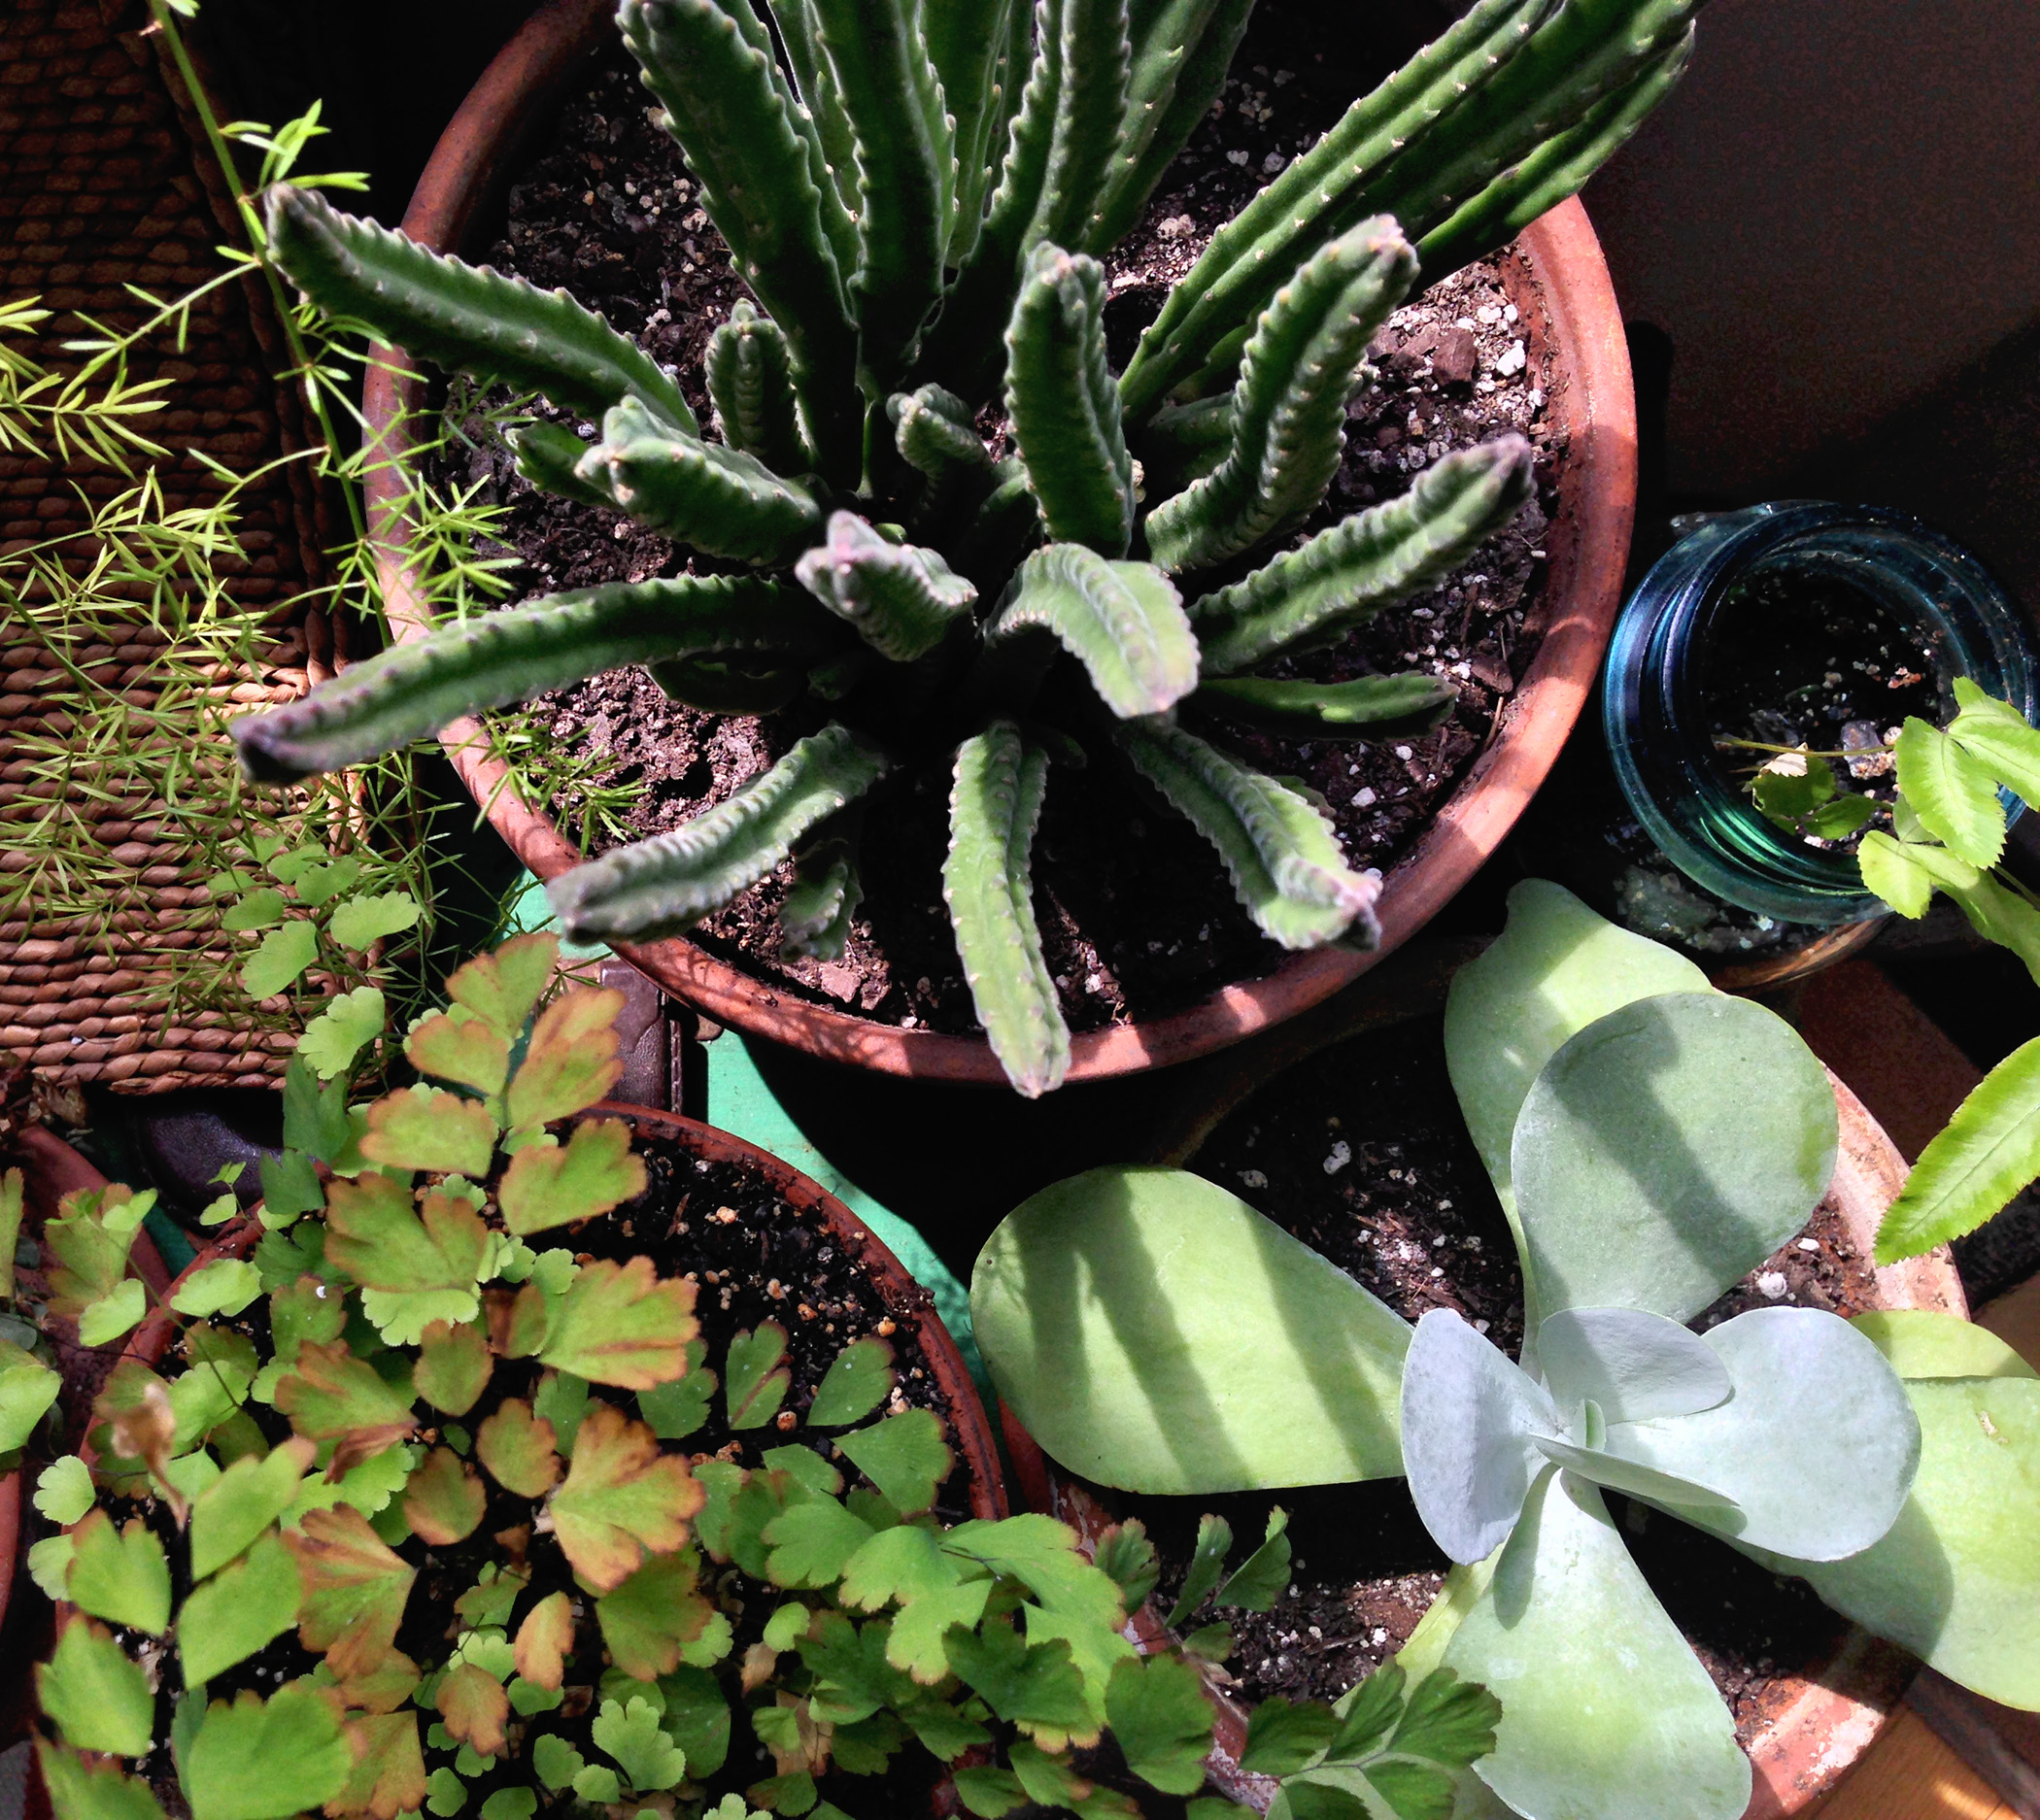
916	192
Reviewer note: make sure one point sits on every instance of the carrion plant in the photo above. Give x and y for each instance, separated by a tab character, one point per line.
1651	1141
406	1520
917	199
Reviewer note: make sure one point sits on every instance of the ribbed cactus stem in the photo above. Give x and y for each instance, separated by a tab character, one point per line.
967	42
720	500
814	87
1309	597
1368	707
669	883
1123	622
995	803
463	316
717	686
751	381
903	602
814	918
736	121
905	175
1319	194
1062	406
1096	56
411	690
549	455
1306	357
1283	854
933	433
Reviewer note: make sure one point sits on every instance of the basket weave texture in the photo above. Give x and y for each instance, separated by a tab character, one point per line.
104	182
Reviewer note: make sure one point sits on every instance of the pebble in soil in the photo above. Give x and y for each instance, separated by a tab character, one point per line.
753	1256
1136	913
1361	1155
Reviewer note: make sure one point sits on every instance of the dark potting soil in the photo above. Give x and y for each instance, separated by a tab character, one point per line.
752	1256
1136	912
1361	1155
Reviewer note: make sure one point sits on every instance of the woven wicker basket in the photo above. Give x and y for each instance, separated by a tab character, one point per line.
104	182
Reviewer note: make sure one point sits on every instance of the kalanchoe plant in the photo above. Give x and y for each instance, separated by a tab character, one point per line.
1947	834
405	1520
1651	1141
917	199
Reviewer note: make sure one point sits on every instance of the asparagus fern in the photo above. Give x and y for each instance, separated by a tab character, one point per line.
917	201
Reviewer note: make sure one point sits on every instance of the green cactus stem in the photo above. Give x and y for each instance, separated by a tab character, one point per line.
738	125
468	317
549	455
905	175
815	915
1367	708
1095	57
1309	597
1306	357
718	499
720	685
814	87
751	381
665	884
1123	622
995	803
1062	404
933	433
414	689
1281	853
902	600
968	46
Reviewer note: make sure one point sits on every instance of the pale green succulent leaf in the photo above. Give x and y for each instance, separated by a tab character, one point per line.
1925	1343
1630	1364
1155	1333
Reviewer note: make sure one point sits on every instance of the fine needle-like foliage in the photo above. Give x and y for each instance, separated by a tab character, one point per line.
1651	1141
917	201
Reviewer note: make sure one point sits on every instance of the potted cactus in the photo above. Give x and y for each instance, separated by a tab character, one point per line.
920	218
1651	1140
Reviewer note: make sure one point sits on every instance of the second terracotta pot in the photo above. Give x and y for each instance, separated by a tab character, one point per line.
1562	287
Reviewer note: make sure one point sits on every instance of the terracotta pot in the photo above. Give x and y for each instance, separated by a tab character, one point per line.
1818	1723
1568	306
1831	946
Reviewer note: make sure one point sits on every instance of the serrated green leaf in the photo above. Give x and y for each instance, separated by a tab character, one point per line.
426	1127
246	1499
374	1236
265	1760
474	1707
621	1500
902	1564
562	1399
544	1640
238	1611
812	1543
1787	798
1450	1721
28	1389
1038	1687
856	1383
503	988
853	1679
88	1255
388	1775
1890	871
260	909
1283	1736
754	1382
290	1186
1997	733
1260	1579
330	1395
49	1567
517	1447
550	1185
632	1736
63	1493
348	1025
649	1620
571	1061
114	1314
1214	1541
904	1456
1126	1557
98	1793
279	959
355	1588
556	1761
446	1793
466	1048
1952	792
96	1694
454	1367
444	1498
989	1793
11	1186
510	1804
677	1409
1841	818
621	1324
1161	1720
225	1286
2001	915
1210	1643
320	884
697	1718
120	1576
360	922
598	1785
1987	1152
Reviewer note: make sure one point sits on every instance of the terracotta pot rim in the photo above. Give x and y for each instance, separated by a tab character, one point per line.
970	1428
1588	543
1803	1747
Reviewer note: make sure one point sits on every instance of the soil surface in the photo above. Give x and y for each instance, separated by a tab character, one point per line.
1361	1155
1136	913
753	1258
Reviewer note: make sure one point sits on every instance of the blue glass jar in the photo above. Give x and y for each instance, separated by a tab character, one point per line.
1654	714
